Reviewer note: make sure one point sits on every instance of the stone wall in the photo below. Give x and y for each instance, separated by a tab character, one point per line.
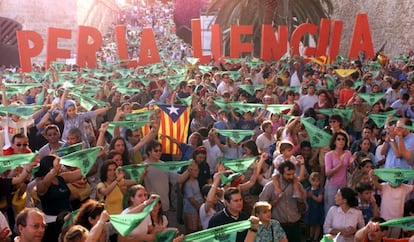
390	20
39	15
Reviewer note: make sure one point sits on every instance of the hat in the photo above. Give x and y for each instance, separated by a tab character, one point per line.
46	164
68	103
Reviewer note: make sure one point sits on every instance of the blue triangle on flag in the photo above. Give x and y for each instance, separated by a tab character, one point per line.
174	111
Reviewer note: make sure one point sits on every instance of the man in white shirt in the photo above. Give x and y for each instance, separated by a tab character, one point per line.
308	100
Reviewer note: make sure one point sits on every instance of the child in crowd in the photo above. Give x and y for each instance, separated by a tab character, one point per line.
269	229
366	202
314	215
286	153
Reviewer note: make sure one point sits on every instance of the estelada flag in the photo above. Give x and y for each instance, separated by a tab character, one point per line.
175	121
322	60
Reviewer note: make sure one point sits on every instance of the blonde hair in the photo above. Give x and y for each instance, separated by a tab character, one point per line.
259	206
314	176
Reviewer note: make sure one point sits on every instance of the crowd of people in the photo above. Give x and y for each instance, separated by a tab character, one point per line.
293	190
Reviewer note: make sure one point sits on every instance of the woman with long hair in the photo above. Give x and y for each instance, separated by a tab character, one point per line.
137	201
112	187
337	161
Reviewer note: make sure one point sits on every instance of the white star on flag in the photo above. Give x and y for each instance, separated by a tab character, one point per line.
172	110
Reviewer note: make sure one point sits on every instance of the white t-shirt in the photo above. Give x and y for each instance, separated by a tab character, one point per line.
4	223
263	142
142	228
294	80
205	216
393	198
213	152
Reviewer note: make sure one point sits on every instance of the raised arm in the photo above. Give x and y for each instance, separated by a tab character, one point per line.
212	193
98	228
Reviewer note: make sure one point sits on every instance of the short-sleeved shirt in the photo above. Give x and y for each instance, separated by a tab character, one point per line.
273	232
113	201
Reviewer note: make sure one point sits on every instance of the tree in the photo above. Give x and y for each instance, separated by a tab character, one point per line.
275	12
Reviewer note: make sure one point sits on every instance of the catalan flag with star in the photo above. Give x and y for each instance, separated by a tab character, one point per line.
175	121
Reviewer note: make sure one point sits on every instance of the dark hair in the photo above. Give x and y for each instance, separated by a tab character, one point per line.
350	196
104	169
251	145
21	218
51	127
125	154
363	187
364	162
205	189
286	164
396	84
90	209
46	164
18	136
409	207
152	145
132	191
305	144
229	192
379	220
199	150
337	117
112	154
360	143
332	145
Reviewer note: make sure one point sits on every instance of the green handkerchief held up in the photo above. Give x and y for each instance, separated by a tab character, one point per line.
394	176
83	159
10	162
170	166
406	223
236	135
125	223
318	137
239	165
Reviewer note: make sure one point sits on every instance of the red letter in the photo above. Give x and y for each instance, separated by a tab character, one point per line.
274	45
25	52
335	39
52	50
323	37
216	44
86	52
196	42
148	53
297	35
361	38
121	45
237	47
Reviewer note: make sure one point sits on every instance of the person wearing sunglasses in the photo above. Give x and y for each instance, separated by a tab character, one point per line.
19	145
337	161
156	180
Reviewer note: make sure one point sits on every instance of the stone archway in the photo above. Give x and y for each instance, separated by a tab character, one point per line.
8	41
